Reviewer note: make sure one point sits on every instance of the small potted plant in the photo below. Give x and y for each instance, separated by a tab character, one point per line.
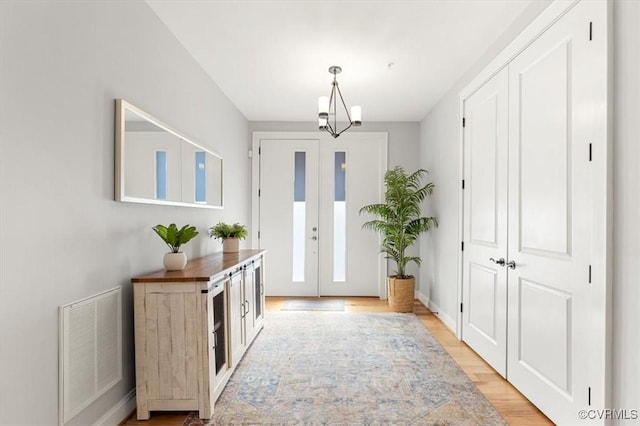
175	260
229	234
400	221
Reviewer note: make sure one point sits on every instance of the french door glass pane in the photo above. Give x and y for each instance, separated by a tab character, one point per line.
340	218
299	220
201	177
161	175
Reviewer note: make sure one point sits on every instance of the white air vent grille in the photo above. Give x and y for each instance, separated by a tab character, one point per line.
90	350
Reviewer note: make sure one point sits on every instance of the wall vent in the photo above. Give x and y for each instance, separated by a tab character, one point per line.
90	350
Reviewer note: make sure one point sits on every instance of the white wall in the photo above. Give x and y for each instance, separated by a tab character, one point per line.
62	235
403	150
626	206
440	153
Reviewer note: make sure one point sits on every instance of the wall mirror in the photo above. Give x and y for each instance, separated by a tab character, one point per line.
157	165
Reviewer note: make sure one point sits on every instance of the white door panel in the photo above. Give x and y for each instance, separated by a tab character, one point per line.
289	214
350	264
543	101
485	222
549	219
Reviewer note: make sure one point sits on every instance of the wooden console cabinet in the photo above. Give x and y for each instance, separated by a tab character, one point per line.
192	327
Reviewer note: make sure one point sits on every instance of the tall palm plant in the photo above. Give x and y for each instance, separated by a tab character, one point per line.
399	218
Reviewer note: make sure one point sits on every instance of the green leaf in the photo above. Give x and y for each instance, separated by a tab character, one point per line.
174	237
224	231
399	219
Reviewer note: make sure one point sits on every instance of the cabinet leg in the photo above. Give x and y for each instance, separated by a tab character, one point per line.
143	413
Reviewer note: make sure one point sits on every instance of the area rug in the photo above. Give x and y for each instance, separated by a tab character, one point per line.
313	305
333	368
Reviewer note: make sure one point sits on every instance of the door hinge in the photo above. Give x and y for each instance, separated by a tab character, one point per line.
590	151
589	274
258	234
590	30
463	122
462	245
259	150
259	192
589	396
462	183
461	308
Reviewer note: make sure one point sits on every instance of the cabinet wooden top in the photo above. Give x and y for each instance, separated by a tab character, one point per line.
203	268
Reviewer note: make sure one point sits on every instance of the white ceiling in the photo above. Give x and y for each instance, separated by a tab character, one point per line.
271	57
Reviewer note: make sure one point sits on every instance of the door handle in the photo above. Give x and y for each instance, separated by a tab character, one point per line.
511	264
314	238
497	262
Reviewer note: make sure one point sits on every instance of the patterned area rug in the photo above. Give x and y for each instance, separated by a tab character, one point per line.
352	369
313	305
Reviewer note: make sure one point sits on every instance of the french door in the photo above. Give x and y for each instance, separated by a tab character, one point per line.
288	215
310	191
527	218
484	325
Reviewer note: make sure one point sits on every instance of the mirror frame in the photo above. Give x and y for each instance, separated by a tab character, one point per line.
122	107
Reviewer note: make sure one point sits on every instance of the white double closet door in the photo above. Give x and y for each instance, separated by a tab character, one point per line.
527	218
311	188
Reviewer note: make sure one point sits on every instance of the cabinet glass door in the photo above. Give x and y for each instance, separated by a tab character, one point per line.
219	327
257	290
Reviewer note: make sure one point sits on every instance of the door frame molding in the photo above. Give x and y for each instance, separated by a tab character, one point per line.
602	212
322	137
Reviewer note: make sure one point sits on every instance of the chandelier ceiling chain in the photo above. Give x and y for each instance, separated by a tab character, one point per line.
328	106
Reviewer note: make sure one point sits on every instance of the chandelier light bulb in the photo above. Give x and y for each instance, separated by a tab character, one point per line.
356	115
322	123
323	107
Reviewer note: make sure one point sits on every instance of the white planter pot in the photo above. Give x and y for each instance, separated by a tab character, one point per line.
175	261
231	245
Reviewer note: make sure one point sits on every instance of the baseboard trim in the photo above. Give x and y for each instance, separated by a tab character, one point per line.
119	412
422	298
446	319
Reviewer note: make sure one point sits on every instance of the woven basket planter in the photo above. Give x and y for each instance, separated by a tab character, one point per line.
401	293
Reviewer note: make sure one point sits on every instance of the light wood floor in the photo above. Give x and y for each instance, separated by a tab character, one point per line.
510	403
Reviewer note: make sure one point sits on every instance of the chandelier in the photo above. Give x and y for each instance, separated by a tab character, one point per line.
328	107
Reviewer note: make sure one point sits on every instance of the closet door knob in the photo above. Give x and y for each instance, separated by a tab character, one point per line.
497	262
511	264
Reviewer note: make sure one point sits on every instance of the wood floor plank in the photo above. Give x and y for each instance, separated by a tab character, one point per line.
506	399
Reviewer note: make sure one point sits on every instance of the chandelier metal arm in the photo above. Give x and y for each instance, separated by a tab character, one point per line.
335	135
333	99
343	104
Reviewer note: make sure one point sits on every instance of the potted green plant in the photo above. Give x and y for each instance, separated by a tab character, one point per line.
229	234
399	219
175	260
